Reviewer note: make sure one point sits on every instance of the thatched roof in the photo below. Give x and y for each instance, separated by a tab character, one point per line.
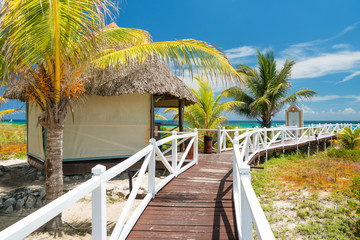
153	77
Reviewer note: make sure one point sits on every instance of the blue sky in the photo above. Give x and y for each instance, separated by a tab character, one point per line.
322	36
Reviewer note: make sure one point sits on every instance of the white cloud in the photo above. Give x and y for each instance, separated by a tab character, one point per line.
340	46
240	52
297	50
351	76
346	111
324	98
334	97
311	59
217	84
311	63
328	63
308	110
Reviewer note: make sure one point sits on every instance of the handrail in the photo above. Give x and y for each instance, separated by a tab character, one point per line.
247	207
25	226
97	186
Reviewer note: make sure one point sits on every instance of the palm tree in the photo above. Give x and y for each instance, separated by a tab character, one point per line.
53	45
208	112
348	139
267	89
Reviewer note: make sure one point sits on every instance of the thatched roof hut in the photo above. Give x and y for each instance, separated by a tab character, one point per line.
153	77
116	118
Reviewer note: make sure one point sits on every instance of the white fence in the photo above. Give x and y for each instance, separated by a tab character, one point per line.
225	136
97	186
248	210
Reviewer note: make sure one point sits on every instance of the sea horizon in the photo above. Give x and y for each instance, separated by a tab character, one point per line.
239	123
254	123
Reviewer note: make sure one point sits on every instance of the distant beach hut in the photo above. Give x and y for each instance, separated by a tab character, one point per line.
114	120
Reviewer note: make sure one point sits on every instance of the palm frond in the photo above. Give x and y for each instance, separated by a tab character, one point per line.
3	113
123	37
158	116
207	59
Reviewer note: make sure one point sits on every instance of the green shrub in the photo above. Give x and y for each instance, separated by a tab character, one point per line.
353	155
348	138
353	210
20	155
11	134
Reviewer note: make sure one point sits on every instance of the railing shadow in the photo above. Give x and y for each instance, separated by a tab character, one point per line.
220	213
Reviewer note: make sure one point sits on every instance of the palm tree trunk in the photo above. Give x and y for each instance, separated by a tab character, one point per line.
54	171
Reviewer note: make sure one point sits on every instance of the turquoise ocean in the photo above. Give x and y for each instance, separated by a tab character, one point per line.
249	124
242	123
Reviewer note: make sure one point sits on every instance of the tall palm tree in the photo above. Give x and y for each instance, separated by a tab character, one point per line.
53	45
348	139
208	112
267	89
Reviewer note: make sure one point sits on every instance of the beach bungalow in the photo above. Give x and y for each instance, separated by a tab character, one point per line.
115	118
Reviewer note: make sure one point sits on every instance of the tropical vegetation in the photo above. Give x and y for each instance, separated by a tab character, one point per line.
208	112
12	141
348	139
266	89
50	47
313	197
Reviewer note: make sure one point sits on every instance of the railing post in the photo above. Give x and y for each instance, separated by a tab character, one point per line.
254	142
282	138
196	146
236	190
297	139
247	146
236	134
151	169
99	230
265	143
325	132
174	153
309	142
219	139
246	219
312	128
258	144
224	138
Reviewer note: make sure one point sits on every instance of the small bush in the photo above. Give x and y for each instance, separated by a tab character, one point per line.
353	210
353	155
20	155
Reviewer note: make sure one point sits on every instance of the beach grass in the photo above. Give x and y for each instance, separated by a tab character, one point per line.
307	197
12	141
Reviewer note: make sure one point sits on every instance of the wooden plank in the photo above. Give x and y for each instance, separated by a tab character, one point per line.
180	235
187	229
197	204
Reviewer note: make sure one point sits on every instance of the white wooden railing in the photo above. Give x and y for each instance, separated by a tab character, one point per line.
225	135
248	210
97	186
246	144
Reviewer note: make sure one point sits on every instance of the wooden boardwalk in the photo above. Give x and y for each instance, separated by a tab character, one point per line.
198	204
195	205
